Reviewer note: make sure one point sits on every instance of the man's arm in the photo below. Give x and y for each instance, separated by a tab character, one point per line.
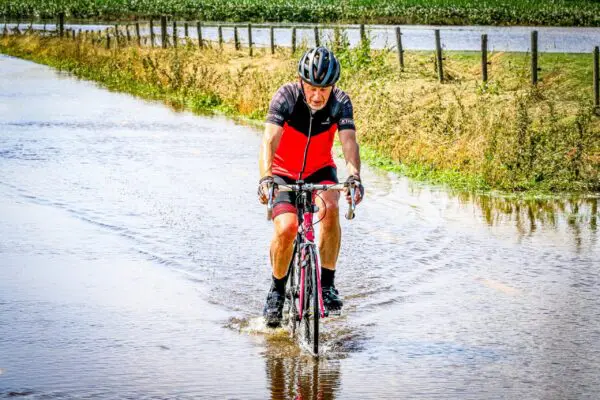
351	151
270	142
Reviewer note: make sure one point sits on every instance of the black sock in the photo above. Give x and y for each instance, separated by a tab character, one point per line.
327	277
279	284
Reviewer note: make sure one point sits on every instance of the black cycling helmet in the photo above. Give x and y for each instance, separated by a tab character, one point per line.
319	67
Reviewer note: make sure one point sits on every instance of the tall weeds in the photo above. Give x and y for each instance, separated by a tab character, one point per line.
505	135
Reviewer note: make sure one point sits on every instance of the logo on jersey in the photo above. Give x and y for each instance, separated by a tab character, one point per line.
346	121
275	117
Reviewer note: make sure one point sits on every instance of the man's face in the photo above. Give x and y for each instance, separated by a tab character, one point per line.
316	97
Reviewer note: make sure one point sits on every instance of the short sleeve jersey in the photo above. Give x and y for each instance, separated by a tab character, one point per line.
289	110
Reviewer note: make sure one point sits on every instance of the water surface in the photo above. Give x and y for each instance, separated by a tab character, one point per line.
414	37
134	264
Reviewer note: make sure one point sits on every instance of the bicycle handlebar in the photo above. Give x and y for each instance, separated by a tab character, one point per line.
350	214
270	203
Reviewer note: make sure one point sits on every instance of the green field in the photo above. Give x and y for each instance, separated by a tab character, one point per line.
453	12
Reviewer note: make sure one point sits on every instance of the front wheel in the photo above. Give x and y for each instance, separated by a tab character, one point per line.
312	310
292	293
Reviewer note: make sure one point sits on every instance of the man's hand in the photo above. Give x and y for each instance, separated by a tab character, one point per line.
359	190
264	185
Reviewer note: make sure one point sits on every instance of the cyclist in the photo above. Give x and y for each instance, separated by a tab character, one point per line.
297	144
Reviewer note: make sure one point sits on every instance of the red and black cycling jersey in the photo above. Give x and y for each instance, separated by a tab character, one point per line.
300	126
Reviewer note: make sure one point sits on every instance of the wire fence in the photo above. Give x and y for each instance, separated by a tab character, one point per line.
164	33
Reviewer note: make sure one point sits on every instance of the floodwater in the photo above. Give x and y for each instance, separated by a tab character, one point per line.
134	264
414	37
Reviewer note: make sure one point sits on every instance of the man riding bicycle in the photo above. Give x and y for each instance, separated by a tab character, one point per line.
297	145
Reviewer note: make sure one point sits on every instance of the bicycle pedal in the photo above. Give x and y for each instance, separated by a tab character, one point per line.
333	313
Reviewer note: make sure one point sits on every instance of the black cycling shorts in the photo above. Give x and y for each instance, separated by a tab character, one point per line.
286	201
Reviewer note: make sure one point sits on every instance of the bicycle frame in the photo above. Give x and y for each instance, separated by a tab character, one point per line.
305	238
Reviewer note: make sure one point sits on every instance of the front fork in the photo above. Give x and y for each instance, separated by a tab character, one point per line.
304	261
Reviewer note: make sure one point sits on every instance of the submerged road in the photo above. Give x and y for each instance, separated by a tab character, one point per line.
134	264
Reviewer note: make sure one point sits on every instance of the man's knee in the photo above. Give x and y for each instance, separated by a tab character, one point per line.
329	211
286	227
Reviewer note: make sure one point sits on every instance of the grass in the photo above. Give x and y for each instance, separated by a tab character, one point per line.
505	135
444	12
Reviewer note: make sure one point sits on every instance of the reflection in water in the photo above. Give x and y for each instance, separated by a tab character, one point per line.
528	214
295	375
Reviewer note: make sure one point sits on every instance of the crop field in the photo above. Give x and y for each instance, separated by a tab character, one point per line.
448	12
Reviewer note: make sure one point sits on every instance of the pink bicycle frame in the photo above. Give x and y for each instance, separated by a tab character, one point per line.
307	228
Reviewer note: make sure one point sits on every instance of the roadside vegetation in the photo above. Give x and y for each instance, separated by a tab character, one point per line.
506	135
446	12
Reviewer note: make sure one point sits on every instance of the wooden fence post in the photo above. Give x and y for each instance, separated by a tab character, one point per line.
317	38
236	38
400	49
199	30
272	37
117	36
250	39
484	59
163	31
363	34
61	24
107	40
137	34
597	79
438	55
174	33
220	32
185	30
293	40
151	33
128	34
534	57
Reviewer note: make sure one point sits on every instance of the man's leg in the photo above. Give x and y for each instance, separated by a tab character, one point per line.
330	236
330	233
282	246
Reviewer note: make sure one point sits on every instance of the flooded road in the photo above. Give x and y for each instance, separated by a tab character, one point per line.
134	264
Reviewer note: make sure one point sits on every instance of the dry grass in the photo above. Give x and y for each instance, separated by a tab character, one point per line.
507	134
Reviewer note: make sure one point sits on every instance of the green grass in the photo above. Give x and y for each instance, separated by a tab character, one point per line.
451	12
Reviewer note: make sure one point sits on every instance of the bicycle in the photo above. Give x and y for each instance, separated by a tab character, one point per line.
303	297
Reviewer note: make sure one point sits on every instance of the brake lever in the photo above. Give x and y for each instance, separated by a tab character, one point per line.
350	214
270	202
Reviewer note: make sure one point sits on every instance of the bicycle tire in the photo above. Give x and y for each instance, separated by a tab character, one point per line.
294	278
316	312
311	303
